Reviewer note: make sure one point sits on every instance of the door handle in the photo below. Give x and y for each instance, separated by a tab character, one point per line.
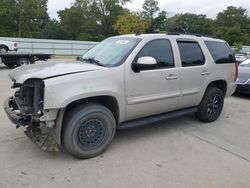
172	77
205	73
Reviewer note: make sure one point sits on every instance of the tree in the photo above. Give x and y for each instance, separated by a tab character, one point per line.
72	20
8	18
53	30
238	46
190	23
160	22
32	17
150	8
91	19
132	23
233	25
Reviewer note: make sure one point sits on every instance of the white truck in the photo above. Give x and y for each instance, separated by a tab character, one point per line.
6	46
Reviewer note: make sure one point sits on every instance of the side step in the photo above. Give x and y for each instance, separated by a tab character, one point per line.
156	118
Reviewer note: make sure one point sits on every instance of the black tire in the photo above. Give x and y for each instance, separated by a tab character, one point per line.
10	66
4	49
23	61
88	130
211	105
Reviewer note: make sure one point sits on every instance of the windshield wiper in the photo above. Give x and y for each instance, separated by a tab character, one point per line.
92	61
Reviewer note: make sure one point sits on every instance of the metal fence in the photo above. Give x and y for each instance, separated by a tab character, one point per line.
57	47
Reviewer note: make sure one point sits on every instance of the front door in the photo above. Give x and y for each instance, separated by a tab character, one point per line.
152	91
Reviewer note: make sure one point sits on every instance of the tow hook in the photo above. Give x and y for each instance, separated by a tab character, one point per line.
21	123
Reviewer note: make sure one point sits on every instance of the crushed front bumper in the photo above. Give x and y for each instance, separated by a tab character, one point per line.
37	132
9	106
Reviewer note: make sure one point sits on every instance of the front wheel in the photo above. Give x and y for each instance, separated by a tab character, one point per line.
88	130
211	105
3	49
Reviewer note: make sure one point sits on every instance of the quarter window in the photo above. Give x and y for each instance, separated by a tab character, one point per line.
161	50
191	54
220	51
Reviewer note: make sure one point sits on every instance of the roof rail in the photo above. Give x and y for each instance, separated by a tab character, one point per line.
173	33
193	34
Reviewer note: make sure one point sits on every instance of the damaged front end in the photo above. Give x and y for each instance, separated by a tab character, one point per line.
25	109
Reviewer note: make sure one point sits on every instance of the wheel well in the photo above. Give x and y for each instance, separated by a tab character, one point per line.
220	84
5	46
107	101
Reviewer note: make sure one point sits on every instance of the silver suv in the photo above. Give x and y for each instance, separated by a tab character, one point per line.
124	81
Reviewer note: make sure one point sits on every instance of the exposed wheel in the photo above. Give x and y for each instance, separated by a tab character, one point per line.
211	105
9	65
4	49
88	130
23	61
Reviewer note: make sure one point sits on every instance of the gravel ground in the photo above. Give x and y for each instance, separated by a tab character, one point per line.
178	153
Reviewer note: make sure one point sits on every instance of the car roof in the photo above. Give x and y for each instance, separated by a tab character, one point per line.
171	36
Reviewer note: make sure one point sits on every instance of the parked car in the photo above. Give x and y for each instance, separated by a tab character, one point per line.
243	84
6	46
242	56
122	82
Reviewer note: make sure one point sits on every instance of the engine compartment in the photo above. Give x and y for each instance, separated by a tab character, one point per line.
29	99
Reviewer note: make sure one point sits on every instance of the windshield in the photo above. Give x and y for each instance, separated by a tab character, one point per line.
111	52
245	63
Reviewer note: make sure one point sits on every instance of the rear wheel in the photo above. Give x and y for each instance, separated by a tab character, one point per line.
211	105
23	61
9	65
88	130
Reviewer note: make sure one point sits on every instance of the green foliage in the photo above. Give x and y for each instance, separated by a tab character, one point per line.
150	7
160	22
32	17
233	25
8	18
53	30
190	23
132	23
98	19
238	46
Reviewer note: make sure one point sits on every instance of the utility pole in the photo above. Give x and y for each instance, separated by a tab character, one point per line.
20	23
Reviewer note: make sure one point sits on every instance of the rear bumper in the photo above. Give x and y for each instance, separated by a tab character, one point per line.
243	88
231	89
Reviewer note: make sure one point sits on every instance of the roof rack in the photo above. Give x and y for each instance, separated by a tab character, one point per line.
191	34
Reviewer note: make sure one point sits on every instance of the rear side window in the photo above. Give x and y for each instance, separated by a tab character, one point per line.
221	52
161	50
191	53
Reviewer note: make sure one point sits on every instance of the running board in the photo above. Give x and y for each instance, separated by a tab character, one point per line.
156	118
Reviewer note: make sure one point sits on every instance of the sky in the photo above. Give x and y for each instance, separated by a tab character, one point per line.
207	7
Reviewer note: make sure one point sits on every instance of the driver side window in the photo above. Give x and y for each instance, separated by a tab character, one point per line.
161	50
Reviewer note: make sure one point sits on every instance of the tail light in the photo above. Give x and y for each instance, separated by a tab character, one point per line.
15	44
236	72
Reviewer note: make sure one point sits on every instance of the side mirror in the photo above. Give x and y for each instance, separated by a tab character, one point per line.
144	63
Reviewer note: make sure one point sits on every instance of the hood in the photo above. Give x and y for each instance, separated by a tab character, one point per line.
50	70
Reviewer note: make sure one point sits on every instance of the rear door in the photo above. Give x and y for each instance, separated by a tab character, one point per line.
194	72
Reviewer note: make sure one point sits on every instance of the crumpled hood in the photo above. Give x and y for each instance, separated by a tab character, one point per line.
50	70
